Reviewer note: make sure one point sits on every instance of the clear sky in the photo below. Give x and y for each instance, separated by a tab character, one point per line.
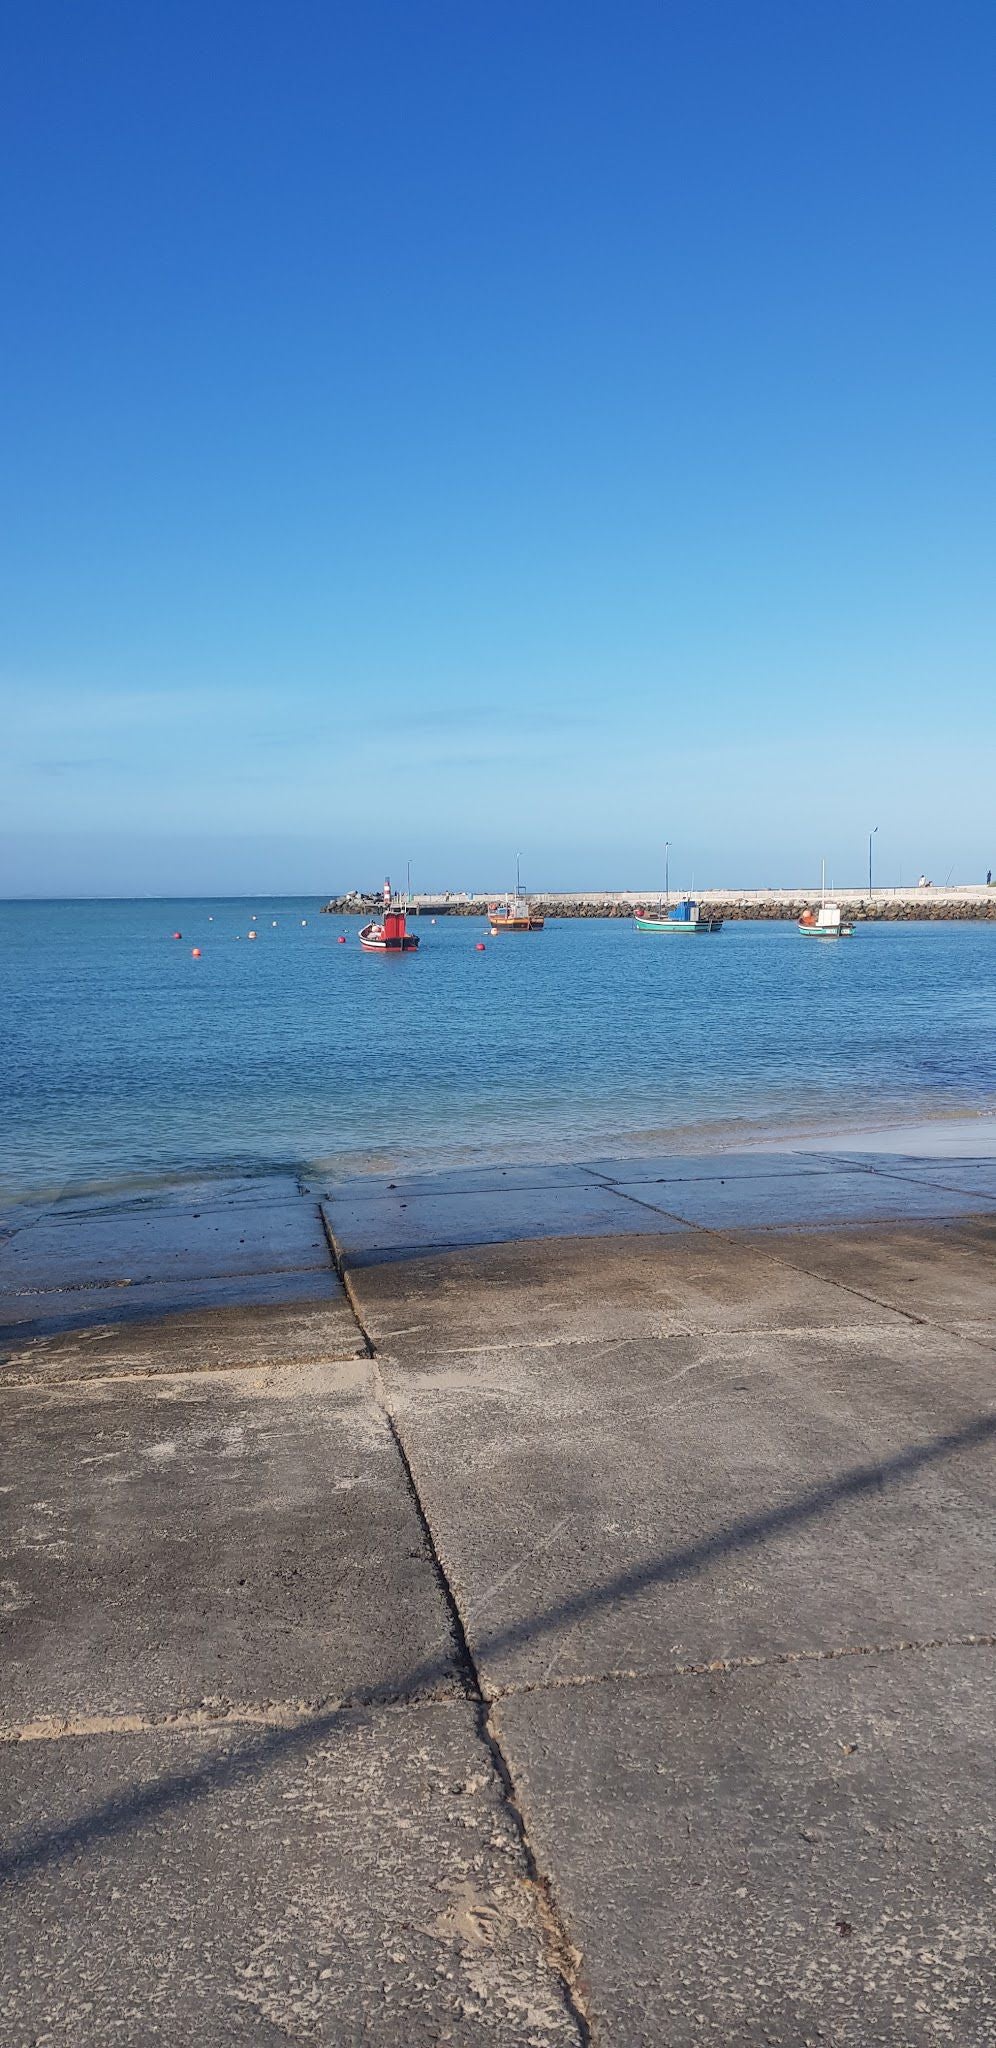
432	431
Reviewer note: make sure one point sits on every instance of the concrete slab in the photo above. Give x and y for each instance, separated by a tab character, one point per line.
483	1179
944	1274
670	1166
356	1881
636	1505
25	1317
369	1228
803	1201
199	1192
573	1291
245	1536
791	1855
261	1327
76	1251
966	1176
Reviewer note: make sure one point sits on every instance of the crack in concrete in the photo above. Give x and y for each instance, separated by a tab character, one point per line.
299	1713
563	1957
40	1384
722	1666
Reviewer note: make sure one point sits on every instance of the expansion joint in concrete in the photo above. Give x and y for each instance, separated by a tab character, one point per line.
729	1666
343	1274
563	1958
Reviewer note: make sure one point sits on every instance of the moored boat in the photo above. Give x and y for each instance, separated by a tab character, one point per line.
513	913
684	916
392	934
827	922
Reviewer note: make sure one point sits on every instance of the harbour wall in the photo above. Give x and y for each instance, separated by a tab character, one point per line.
974	901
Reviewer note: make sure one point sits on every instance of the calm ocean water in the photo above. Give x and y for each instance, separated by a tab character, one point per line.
123	1059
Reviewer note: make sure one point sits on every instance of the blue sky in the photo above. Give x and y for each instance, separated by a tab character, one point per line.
437	431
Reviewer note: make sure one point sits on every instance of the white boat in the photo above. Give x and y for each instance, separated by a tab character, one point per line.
826	922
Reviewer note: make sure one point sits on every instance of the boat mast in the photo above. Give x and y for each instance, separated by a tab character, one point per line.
667	892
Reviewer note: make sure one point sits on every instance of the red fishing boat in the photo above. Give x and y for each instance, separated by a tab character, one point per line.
391	935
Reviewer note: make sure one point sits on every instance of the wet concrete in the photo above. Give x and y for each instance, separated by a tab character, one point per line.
649	1196
804	1201
583	1633
366	1228
67	1250
266	1319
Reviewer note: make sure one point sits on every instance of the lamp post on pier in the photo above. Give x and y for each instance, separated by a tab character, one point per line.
871	836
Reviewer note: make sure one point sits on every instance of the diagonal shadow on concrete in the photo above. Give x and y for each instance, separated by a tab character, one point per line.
115	1816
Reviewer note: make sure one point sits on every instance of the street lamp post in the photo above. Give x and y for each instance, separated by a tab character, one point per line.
871	836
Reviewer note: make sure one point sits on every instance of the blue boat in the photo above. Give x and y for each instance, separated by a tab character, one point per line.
684	916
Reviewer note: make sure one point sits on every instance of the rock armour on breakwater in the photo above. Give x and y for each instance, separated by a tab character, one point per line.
885	907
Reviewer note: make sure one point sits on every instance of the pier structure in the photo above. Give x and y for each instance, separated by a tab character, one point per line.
963	901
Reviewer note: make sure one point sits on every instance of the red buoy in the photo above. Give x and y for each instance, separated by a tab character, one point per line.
342	938
480	947
195	952
177	935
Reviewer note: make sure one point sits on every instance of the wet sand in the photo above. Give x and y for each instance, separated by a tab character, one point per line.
532	1606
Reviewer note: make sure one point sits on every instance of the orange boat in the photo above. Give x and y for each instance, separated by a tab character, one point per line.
513	913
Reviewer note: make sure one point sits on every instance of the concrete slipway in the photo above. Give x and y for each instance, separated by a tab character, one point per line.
531	1607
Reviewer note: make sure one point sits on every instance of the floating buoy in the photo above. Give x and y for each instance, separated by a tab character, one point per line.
304	920
342	938
177	935
432	920
274	924
480	947
250	935
210	920
195	952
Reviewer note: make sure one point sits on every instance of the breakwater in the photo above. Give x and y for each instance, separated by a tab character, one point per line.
976	902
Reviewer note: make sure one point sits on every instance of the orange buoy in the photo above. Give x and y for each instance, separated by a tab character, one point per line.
195	952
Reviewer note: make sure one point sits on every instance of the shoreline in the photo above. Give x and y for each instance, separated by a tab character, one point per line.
959	1132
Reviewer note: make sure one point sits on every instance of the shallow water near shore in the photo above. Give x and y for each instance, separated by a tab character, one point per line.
126	1062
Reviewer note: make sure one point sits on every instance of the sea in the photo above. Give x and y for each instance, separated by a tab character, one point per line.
126	1061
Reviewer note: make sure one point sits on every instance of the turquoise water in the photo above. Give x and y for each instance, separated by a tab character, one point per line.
123	1059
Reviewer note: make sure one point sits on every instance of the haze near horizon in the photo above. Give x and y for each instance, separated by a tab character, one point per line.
436	434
